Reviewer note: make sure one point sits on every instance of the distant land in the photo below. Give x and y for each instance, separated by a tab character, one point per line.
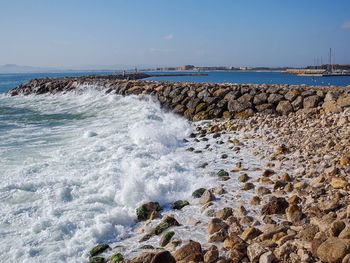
13	68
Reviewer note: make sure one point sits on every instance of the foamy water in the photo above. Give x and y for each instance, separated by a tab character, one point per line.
73	169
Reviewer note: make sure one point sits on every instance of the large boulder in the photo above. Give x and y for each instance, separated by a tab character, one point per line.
192	251
333	250
311	102
284	107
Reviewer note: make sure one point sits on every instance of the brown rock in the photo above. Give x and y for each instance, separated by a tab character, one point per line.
206	197
276	205
294	213
333	250
211	255
254	251
284	107
192	251
163	257
250	233
215	225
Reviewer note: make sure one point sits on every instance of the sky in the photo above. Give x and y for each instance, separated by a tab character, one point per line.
118	33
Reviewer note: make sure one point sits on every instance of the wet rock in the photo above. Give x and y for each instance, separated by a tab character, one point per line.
276	205
224	213
145	211
166	223
180	204
218	236
166	238
243	178
211	255
206	197
192	251
116	258
100	248
198	193
97	260
247	186
215	225
222	173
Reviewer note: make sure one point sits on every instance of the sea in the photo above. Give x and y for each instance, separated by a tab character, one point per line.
73	168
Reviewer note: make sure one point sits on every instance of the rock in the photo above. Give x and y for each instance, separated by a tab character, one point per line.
97	260
198	193
294	213
145	211
344	160
274	98
284	107
247	186
224	213
260	98
166	238
344	100
211	255
206	197
192	251
267	257
222	173
308	232
336	228
243	178
163	257
276	205
215	225
145	257
255	200
254	251
180	204
100	248
311	102
116	258
168	221
233	241
333	250
218	236
291	95
345	233
338	183
250	233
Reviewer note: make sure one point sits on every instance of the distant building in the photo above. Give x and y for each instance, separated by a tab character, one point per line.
187	67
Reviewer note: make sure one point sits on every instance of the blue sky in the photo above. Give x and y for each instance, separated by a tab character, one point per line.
86	33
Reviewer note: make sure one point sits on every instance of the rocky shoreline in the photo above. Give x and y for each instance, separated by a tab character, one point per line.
292	207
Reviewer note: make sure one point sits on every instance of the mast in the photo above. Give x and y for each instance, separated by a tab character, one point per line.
330	60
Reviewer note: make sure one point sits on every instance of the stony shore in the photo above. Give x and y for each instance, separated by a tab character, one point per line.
299	205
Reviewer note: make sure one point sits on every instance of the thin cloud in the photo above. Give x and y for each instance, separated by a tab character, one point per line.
169	37
346	25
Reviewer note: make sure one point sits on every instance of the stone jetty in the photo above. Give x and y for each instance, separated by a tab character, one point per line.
298	207
201	101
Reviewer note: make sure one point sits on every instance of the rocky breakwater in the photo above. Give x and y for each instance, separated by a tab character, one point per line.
200	101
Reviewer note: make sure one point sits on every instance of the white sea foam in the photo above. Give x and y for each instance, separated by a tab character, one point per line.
73	168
